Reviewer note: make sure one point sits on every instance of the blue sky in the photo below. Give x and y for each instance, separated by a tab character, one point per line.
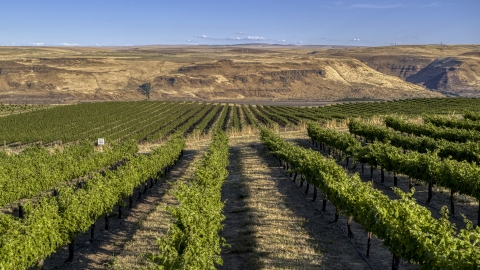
146	22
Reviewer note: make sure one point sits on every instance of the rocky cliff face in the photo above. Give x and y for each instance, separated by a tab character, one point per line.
454	76
400	66
328	78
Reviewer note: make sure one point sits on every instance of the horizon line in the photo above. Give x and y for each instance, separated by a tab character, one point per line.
231	45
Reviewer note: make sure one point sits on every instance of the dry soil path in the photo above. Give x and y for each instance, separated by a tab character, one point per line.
270	223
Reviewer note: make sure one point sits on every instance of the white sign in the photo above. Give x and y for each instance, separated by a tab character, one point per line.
101	141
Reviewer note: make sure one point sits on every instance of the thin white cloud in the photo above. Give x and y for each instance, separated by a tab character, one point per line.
68	44
255	38
372	6
242	39
232	38
436	4
36	43
240	33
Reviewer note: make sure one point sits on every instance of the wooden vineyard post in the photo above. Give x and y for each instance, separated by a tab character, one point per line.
369	243
452	205
382	175
146	187
362	167
21	211
349	226
302	178
395	262
395	181
314	193
71	250
336	214
347	161
92	232
151	182
295	177
371	171
120	211
107	223
306	190
430	193
139	192
410	183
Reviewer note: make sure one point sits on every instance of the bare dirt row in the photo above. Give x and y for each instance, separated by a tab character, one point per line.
271	223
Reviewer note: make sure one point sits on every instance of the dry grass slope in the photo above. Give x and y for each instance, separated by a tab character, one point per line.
254	72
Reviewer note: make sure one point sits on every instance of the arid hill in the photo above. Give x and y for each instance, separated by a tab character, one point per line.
450	70
254	72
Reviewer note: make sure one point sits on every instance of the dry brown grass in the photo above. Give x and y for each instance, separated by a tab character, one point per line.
276	234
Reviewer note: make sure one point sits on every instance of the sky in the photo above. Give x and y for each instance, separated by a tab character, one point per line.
226	22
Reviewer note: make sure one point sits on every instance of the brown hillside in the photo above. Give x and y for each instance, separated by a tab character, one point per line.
200	72
450	70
